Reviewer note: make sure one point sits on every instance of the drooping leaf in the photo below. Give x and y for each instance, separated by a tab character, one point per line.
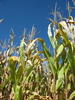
46	53
48	56
63	34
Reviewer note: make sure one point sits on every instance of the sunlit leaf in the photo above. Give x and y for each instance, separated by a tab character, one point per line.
58	83
13	58
60	49
30	45
22	59
64	24
63	34
61	72
60	77
50	35
48	56
29	62
12	67
18	93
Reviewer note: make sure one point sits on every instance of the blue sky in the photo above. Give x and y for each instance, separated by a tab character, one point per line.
20	14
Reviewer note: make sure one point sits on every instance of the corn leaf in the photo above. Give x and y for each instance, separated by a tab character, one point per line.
12	68
72	95
64	24
50	35
60	77
64	35
18	93
46	53
71	60
22	53
59	50
5	83
29	72
58	83
61	72
19	74
70	53
48	56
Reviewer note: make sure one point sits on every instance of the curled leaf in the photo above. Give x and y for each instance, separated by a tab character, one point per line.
13	58
63	23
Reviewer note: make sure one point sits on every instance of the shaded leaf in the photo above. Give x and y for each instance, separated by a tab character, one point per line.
19	74
72	95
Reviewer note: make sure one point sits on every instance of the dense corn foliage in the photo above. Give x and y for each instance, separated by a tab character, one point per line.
28	72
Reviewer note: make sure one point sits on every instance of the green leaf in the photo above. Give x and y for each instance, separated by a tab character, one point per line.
72	95
61	72
46	53
18	93
19	74
48	56
66	68
69	86
69	46
60	78
12	69
58	83
59	50
5	83
71	59
30	97
29	72
63	34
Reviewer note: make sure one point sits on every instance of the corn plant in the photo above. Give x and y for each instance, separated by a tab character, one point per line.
28	72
